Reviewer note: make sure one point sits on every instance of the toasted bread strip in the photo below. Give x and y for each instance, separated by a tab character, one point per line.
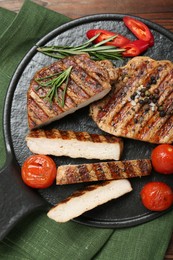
89	198
75	144
68	174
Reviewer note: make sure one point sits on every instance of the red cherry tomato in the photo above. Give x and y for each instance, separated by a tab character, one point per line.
39	171
162	158
135	48
157	196
139	29
119	41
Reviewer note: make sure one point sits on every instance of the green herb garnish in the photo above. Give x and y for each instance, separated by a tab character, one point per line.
53	82
97	51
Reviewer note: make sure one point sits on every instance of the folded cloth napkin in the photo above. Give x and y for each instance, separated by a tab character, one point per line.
36	236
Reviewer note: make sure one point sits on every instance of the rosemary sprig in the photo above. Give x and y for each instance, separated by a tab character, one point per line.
97	51
53	82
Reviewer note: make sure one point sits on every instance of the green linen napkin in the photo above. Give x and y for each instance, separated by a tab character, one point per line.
36	236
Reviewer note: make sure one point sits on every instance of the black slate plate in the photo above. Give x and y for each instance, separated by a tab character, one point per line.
123	212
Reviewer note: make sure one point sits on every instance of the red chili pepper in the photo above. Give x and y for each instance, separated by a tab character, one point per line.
135	48
139	29
119	41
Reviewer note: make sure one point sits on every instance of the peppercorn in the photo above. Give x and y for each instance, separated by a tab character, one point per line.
154	100
141	101
142	94
162	113
146	100
143	90
133	95
153	80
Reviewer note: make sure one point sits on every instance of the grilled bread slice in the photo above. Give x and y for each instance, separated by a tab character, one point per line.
88	81
74	144
87	199
140	104
68	174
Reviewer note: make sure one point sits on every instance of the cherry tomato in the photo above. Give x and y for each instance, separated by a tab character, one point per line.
119	41
157	196
39	171
162	158
139	29
135	48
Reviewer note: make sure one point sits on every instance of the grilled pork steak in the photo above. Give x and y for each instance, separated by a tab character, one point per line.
88	81
68	174
87	199
74	144
140	104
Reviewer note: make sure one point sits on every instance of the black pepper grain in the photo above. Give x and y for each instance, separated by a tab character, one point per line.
146	100
162	113
153	80
141	101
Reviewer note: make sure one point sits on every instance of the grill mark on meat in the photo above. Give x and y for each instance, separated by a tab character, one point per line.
139	114
74	91
119	115
155	123
83	87
71	177
78	193
166	131
78	74
115	103
98	170
97	74
103	171
121	109
69	135
117	170
83	173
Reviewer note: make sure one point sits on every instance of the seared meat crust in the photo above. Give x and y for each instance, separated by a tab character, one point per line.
89	81
75	144
114	170
140	104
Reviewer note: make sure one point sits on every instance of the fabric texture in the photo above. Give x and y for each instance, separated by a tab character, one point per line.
36	236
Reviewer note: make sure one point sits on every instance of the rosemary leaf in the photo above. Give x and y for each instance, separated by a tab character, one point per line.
53	82
97	51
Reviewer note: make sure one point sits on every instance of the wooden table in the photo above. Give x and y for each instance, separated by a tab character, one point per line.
159	11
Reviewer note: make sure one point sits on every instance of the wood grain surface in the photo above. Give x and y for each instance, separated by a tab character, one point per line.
159	11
